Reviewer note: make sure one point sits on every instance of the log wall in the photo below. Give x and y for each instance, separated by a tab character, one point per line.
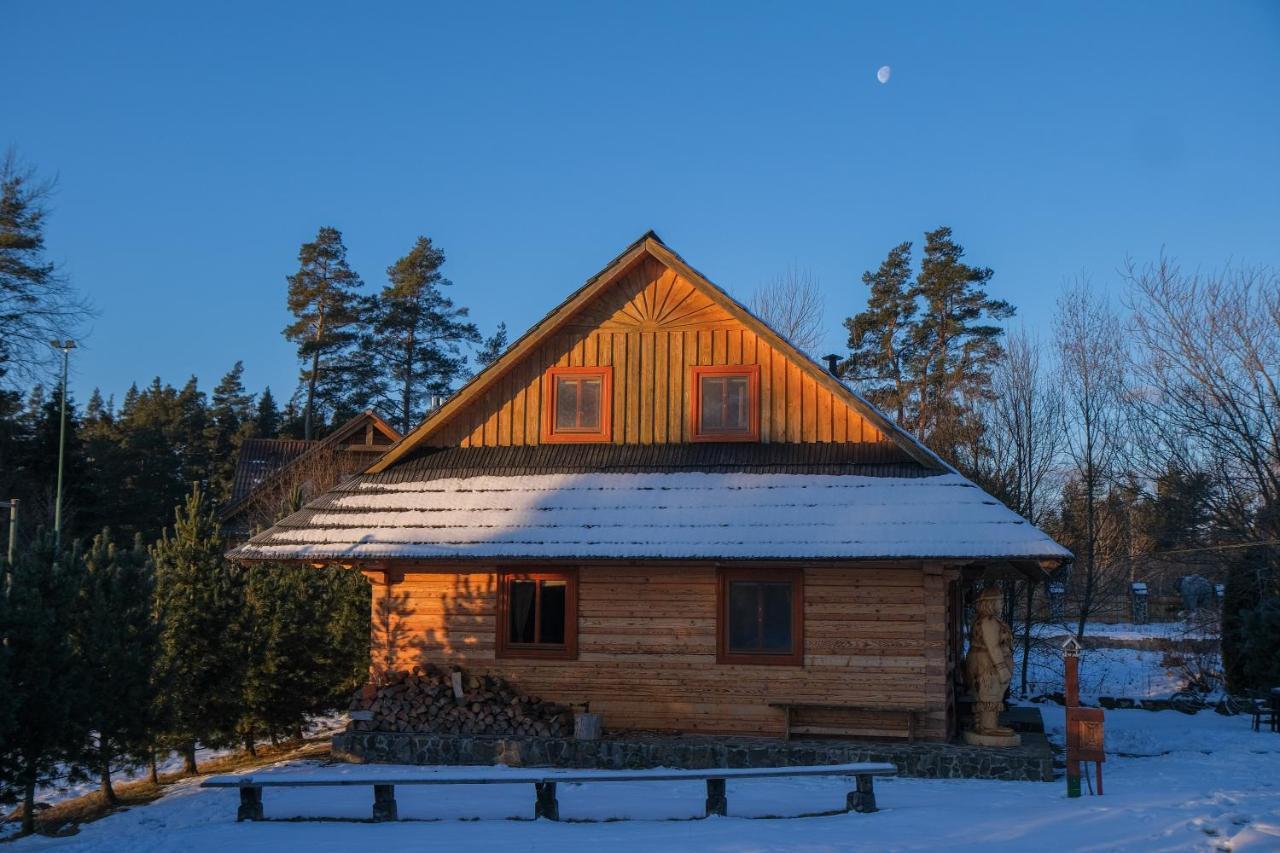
874	636
651	328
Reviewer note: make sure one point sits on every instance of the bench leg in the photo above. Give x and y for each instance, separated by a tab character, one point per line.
250	804
717	802
384	803
545	805
863	798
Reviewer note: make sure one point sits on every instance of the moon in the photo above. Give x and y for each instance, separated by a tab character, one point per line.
883	74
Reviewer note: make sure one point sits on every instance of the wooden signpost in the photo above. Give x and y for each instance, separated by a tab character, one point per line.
1084	725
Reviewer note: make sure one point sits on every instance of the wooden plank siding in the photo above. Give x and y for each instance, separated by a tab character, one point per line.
651	328
873	636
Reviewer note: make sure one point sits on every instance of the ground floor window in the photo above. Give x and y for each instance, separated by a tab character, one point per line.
538	614
761	616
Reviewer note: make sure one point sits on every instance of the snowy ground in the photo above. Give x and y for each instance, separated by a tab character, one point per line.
1174	783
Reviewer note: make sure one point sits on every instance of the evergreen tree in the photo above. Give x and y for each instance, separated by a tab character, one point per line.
230	421
925	348
266	418
494	346
418	334
199	601
115	638
35	302
881	338
45	684
324	300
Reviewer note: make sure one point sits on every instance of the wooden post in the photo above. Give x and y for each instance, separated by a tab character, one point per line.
1071	698
862	798
384	803
545	805
717	801
250	803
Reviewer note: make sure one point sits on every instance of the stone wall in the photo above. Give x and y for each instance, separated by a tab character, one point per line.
1032	762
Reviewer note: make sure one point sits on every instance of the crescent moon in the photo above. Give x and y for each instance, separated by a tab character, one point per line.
883	74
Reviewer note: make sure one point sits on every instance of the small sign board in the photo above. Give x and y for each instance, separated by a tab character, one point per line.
1084	735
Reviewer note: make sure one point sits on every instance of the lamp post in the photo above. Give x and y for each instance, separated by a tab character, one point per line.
66	346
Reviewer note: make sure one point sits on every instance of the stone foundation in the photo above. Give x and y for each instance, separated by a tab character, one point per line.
1030	762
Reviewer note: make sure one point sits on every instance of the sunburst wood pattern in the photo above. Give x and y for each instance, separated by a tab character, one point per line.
650	298
651	327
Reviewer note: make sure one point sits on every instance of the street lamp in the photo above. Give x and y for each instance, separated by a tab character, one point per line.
66	346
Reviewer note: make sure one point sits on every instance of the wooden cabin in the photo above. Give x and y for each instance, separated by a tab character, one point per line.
273	473
652	502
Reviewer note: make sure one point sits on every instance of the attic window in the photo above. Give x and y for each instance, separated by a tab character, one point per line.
726	402
538	615
577	404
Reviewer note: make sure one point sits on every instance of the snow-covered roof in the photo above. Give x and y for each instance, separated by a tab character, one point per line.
656	516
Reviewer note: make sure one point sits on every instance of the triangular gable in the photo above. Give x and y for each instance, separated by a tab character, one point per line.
689	297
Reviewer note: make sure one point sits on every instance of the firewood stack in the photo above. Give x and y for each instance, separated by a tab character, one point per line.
424	700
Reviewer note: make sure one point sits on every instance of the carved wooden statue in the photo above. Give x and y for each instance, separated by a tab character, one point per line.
989	668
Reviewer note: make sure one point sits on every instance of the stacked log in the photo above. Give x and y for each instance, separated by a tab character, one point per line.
430	699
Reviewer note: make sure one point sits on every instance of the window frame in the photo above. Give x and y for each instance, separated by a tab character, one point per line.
549	394
724	577
752	374
504	648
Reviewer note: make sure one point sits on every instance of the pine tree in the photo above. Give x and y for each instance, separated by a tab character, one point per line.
266	418
418	334
45	683
881	338
494	346
324	300
199	601
35	302
115	639
231	420
925	348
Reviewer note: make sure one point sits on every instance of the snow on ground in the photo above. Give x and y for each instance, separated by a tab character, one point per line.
65	789
1176	783
1103	672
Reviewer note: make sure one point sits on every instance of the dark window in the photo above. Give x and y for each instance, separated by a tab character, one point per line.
761	615
578	403
537	615
726	402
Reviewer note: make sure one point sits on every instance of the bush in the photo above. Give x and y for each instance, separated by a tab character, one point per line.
1260	646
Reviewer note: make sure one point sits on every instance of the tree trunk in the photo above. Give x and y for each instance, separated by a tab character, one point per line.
311	395
153	774
29	807
249	745
108	790
1026	636
189	758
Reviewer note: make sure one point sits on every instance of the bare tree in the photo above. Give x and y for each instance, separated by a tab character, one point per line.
1026	418
792	305
1092	357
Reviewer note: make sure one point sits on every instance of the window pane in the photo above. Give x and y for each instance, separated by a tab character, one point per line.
712	404
520	604
744	616
777	616
737	400
553	607
566	403
589	398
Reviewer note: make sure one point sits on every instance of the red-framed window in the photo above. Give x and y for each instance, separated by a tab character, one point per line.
760	617
577	404
538	614
726	402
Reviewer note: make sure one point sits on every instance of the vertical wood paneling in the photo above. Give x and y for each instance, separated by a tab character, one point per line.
650	361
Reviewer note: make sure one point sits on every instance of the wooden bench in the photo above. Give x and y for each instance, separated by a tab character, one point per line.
910	711
861	799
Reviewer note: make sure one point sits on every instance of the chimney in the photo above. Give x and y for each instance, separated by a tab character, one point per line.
832	360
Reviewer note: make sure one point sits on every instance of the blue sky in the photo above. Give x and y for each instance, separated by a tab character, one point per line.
197	145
